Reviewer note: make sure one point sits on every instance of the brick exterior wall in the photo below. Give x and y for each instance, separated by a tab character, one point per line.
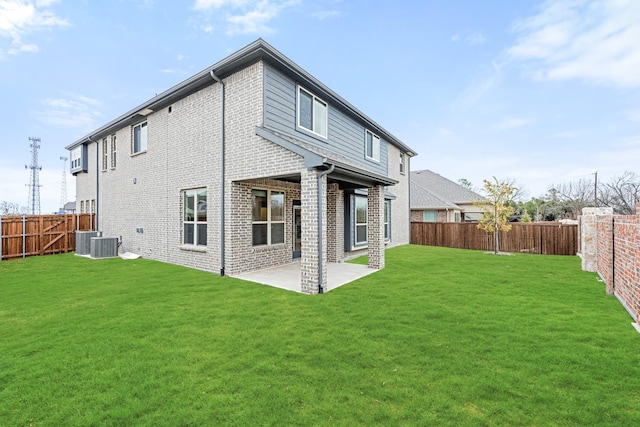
617	252
142	198
335	223
310	260
375	227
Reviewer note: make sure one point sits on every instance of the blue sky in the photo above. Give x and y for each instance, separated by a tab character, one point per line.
541	92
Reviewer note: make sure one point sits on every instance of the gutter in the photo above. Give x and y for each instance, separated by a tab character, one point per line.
320	242
222	172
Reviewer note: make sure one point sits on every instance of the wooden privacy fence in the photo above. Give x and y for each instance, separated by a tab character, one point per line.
548	238
29	235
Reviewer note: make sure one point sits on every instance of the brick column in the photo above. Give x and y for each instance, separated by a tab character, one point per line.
335	223
375	227
309	277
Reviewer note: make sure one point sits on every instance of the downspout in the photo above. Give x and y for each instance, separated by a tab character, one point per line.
320	245
222	172
97	181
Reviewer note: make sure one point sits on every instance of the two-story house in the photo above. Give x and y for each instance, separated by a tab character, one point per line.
250	163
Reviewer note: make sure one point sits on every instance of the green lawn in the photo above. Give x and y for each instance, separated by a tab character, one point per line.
439	337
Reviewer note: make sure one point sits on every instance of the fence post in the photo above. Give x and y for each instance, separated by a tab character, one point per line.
0	238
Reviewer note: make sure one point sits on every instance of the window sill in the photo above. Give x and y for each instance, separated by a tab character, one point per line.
193	248
265	248
371	159
138	153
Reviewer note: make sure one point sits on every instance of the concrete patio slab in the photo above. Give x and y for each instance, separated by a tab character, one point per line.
287	276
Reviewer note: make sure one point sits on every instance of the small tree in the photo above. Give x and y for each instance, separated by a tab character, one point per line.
496	210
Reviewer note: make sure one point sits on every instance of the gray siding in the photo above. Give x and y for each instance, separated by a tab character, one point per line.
345	135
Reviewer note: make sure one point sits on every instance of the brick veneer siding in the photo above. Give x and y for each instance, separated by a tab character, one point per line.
309	210
617	249
400	208
335	223
241	254
375	227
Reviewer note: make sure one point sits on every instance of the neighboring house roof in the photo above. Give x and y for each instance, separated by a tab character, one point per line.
430	190
256	51
70	206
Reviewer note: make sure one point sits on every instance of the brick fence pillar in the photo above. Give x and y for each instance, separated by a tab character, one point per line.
588	236
375	227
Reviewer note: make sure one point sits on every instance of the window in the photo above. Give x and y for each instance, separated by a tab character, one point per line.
402	164
387	223
81	206
457	217
361	220
429	216
312	113
79	159
93	205
113	151
139	138
195	217
76	157
372	143
105	154
267	217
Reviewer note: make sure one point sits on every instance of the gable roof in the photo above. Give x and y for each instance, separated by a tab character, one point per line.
430	190
254	52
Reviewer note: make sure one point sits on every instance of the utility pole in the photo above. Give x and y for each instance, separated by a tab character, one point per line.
63	188
33	203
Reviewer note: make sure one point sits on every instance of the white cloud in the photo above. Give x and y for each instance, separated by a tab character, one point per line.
19	18
74	111
513	123
633	115
326	14
591	40
478	88
476	39
242	16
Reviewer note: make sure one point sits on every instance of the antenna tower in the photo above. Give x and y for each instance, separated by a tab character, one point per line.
63	188
33	204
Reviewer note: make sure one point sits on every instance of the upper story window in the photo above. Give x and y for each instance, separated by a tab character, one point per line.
402	163
372	146
79	160
139	143
113	151
105	154
312	113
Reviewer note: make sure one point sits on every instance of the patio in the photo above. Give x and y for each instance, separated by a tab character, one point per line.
287	276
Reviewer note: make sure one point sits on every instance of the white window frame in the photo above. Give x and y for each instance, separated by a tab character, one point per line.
105	154
403	164
364	224
316	128
196	221
76	157
374	155
387	220
142	145
113	151
269	222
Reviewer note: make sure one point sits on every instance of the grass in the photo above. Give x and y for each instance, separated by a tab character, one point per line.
439	337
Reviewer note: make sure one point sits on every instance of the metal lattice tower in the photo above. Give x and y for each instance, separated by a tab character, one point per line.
63	187
33	204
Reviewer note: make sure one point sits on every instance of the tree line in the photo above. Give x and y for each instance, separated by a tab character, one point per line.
566	200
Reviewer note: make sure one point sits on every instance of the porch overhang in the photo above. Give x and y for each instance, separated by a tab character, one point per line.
348	176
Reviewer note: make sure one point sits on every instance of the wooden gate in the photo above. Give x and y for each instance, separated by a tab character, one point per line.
29	235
